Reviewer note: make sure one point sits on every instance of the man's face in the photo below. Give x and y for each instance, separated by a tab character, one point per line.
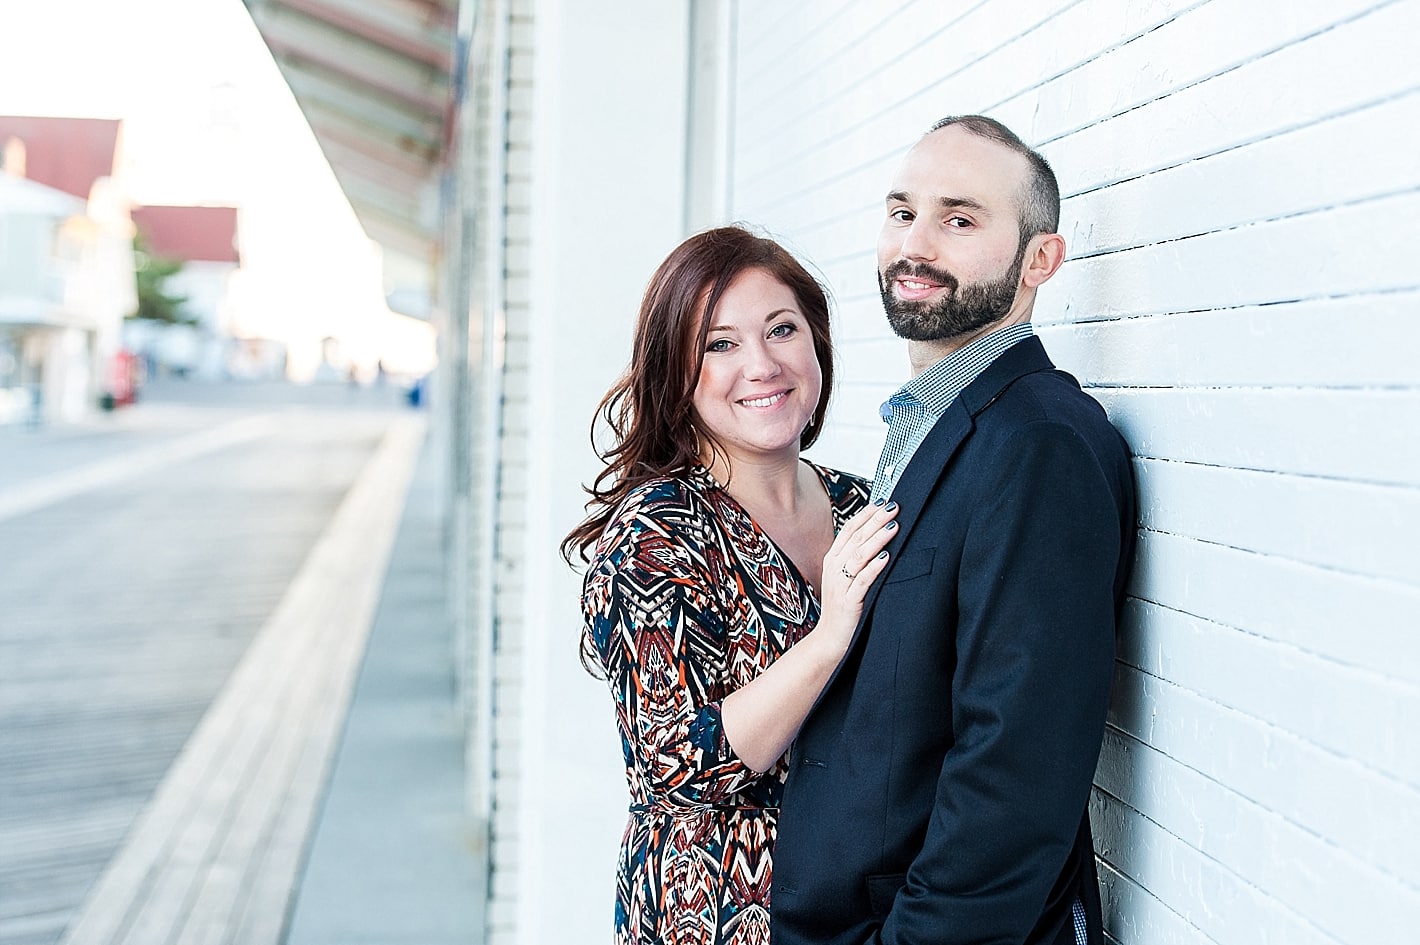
950	253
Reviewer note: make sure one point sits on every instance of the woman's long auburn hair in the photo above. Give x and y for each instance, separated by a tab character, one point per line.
649	410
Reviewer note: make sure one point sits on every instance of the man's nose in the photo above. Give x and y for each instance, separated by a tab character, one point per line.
917	242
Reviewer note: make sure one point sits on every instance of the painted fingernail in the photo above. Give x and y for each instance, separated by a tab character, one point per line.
890	526
883	553
879	501
890	506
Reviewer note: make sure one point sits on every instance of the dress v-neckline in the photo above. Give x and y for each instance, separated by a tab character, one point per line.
790	566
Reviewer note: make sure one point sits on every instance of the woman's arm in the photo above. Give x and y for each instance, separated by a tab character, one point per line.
761	718
655	626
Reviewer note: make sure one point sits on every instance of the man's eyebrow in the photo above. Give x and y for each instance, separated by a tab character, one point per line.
946	203
961	203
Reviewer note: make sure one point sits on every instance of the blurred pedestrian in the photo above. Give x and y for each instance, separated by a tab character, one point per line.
718	600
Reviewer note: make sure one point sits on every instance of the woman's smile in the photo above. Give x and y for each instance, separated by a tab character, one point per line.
768	400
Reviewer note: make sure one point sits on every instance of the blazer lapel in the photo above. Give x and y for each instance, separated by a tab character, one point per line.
929	463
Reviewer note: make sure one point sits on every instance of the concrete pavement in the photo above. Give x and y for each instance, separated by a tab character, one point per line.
257	830
393	859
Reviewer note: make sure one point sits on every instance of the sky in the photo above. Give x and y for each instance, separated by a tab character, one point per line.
208	119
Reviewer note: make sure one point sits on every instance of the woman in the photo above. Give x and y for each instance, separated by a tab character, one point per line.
712	551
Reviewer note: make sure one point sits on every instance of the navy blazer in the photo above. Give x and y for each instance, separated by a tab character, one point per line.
938	790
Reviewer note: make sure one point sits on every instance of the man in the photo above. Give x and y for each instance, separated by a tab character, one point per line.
938	790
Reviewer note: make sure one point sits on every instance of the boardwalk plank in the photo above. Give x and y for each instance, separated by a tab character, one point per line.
247	782
116	629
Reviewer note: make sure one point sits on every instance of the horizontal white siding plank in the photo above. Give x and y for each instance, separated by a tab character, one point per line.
958	38
1355	621
1356	714
1350	250
859	409
852	450
1365	435
1307	875
763	31
1202	890
1366	60
1346	159
1356	341
954	61
1199	43
836	38
1134	914
889	124
1375	818
851	233
1347	526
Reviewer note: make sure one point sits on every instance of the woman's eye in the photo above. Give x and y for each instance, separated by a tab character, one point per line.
782	330
719	344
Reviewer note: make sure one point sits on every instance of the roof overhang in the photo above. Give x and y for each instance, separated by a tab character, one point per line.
375	81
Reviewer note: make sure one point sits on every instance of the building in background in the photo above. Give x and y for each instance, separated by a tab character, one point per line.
66	269
205	241
1238	189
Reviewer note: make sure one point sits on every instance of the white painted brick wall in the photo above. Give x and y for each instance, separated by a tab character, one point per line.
1241	182
1241	179
586	225
505	864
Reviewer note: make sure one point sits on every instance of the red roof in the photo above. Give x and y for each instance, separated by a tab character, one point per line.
68	154
192	234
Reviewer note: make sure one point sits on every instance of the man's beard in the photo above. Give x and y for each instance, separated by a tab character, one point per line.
963	310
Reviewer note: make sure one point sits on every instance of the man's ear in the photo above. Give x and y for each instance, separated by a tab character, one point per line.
1044	254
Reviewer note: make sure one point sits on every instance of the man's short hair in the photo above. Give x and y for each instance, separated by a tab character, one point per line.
1040	204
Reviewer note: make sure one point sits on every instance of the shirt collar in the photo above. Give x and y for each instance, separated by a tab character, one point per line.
935	388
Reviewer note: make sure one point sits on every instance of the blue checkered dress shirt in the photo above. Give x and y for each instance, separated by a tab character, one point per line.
911	412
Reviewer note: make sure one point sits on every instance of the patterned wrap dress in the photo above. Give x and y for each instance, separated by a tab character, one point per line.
686	600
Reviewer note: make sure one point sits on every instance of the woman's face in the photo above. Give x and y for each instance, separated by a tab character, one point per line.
760	381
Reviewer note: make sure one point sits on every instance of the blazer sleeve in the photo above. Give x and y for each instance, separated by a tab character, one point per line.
1030	691
656	630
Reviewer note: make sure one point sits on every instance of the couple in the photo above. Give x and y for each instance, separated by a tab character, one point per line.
936	647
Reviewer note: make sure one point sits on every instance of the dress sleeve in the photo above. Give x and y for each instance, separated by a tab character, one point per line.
657	630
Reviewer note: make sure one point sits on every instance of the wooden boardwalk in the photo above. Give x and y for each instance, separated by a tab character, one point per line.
134	807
